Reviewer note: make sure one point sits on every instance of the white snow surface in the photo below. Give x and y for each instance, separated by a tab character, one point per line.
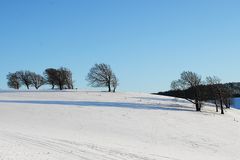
81	125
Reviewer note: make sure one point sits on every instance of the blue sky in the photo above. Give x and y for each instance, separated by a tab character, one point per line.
148	43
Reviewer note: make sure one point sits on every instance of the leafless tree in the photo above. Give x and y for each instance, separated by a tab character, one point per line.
25	78
189	81
222	94
13	81
227	95
50	75
68	78
214	84
114	82
61	77
64	78
37	80
176	85
101	75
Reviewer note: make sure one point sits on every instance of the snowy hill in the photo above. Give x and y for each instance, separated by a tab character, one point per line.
106	126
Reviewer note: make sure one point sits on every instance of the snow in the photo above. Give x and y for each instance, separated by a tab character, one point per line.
82	125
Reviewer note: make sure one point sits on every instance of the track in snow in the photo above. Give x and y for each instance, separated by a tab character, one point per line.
63	149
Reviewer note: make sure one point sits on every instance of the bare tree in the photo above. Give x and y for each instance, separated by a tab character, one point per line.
37	80
50	75
101	75
190	82
114	82
68	78
214	84
64	78
61	77
176	85
227	95
25	78
222	94
13	81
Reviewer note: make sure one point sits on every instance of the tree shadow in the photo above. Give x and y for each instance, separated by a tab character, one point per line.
169	107
173	99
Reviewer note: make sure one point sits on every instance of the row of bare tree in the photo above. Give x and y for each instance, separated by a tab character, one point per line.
100	75
191	87
62	78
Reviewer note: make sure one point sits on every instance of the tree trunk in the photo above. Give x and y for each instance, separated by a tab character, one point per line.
197	103
53	86
216	105
198	106
109	88
221	102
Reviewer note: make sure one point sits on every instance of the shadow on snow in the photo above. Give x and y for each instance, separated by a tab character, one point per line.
103	104
172	99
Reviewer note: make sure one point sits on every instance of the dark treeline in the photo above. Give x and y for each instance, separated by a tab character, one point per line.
100	75
191	87
235	88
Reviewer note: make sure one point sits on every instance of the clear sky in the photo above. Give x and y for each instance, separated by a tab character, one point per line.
148	43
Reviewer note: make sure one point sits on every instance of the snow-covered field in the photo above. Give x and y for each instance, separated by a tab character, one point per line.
105	126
